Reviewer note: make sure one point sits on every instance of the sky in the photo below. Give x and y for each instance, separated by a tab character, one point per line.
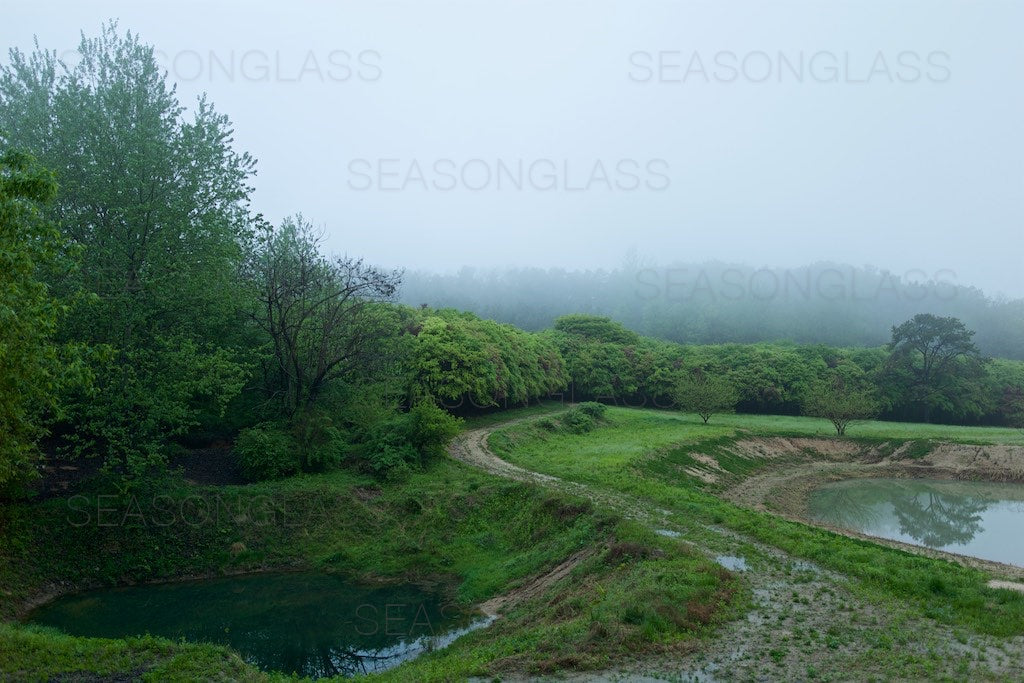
432	135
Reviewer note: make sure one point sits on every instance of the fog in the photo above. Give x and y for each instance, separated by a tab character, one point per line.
432	135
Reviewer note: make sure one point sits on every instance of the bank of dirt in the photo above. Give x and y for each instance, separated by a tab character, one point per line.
784	486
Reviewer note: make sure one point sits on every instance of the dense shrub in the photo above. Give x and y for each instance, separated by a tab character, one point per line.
409	439
593	409
578	422
321	444
267	451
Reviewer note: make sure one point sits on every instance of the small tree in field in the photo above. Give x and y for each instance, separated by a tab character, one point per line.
705	394
842	402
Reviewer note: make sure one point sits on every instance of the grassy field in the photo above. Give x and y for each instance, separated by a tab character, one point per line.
625	453
632	592
786	425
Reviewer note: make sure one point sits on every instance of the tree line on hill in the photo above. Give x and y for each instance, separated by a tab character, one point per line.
145	308
718	303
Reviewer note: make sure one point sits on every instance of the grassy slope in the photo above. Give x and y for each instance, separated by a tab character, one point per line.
479	534
623	455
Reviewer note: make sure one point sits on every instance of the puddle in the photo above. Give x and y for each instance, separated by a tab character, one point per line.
732	563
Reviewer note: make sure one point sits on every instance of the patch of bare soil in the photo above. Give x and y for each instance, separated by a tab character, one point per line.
1001	463
772	447
535	587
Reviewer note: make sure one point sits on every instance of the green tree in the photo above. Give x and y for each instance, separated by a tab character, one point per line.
934	364
157	200
33	367
705	394
322	316
842	401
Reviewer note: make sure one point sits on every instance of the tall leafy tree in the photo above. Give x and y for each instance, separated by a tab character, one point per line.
157	200
934	363
33	366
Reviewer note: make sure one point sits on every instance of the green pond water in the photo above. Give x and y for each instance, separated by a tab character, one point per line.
311	624
979	519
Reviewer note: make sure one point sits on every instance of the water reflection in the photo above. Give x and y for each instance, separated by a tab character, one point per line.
973	518
936	520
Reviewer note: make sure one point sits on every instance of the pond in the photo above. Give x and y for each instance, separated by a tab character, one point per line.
980	519
311	624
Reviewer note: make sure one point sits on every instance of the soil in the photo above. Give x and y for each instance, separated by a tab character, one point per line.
214	465
534	587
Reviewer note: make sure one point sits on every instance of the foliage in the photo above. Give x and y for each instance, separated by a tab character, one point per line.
711	303
266	451
595	327
706	394
583	417
934	364
593	409
158	203
577	421
409	440
468	362
842	401
33	367
606	362
319	314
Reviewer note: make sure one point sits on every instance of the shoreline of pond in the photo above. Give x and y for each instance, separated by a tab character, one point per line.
785	491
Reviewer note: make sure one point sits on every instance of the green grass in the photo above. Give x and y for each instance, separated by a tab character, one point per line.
41	654
476	534
787	425
634	594
629	453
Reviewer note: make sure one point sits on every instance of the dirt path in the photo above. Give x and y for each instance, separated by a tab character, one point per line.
805	622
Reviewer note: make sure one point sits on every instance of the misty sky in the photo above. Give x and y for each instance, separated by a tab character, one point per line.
436	134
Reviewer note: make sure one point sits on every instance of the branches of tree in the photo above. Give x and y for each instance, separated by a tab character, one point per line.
705	394
934	361
320	314
842	401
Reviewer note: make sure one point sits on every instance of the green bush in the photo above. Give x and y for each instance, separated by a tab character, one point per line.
267	451
431	428
593	409
578	422
410	439
547	424
321	444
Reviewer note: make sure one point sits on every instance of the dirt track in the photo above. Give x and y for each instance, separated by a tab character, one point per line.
839	629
